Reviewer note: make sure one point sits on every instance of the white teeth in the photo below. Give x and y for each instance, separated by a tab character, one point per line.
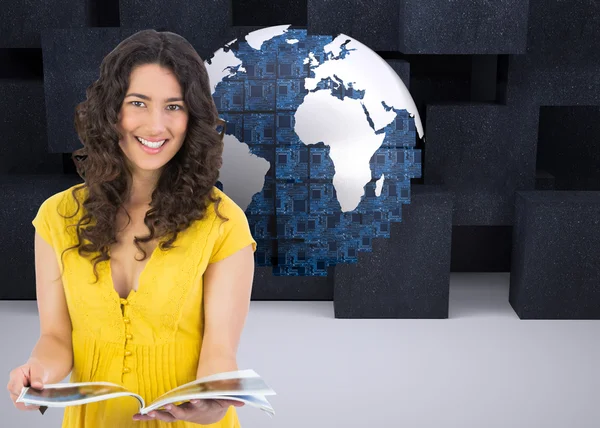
152	145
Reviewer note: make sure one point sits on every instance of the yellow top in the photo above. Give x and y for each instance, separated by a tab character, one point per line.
149	342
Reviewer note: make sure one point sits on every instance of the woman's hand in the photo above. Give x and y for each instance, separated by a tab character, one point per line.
29	374
202	412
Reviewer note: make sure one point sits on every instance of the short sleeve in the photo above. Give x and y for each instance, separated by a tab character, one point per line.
234	234
42	222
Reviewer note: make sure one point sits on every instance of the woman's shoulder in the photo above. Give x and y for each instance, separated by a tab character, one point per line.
66	202
233	233
58	211
226	206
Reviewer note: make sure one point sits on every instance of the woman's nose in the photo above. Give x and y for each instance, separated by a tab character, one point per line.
158	121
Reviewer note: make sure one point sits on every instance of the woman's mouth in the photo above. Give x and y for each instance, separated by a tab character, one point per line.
151	147
151	144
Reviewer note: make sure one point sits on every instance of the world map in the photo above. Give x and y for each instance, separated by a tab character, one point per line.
319	145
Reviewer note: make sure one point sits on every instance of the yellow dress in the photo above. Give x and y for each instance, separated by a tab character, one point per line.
149	342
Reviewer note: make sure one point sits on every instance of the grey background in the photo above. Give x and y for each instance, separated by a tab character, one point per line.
480	368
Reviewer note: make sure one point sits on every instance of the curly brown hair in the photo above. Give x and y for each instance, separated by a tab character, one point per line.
186	184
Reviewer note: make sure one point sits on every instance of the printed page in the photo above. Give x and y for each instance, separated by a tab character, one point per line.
237	374
222	387
257	401
69	394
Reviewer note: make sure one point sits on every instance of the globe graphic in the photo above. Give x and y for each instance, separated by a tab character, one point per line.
319	145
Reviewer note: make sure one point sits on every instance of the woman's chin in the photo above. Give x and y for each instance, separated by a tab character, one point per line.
147	167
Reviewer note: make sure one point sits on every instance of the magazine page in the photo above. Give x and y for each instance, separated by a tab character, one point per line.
236	374
257	401
233	375
227	385
71	394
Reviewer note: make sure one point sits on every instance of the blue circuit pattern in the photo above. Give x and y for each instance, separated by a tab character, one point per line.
296	219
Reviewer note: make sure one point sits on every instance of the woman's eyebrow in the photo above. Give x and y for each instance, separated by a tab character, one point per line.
145	97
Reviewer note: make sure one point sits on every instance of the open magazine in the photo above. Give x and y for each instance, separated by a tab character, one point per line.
241	385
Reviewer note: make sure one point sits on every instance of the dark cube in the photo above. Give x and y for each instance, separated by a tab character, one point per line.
408	274
555	271
20	198
373	24
463	27
483	154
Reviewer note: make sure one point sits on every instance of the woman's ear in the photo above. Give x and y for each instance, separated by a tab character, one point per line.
223	124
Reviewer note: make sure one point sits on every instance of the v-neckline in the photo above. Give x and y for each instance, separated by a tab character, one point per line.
133	292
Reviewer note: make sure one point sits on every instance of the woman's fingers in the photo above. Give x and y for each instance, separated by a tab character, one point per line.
155	415
21	406
228	403
178	412
220	401
15	386
17	381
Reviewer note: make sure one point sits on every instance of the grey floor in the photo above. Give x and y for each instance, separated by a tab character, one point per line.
481	368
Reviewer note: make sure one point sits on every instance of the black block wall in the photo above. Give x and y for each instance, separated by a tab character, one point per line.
20	197
556	258
508	92
407	274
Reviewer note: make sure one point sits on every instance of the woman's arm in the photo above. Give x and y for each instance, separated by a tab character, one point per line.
227	291
54	350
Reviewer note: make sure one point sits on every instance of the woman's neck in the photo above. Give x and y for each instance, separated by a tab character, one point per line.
142	187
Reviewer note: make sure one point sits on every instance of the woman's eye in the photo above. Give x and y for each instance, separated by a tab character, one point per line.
177	107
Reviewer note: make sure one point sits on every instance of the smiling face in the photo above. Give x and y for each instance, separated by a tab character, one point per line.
153	118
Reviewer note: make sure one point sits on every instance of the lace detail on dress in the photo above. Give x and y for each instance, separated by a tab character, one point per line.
177	271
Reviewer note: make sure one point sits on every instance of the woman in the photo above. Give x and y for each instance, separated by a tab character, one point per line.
144	271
